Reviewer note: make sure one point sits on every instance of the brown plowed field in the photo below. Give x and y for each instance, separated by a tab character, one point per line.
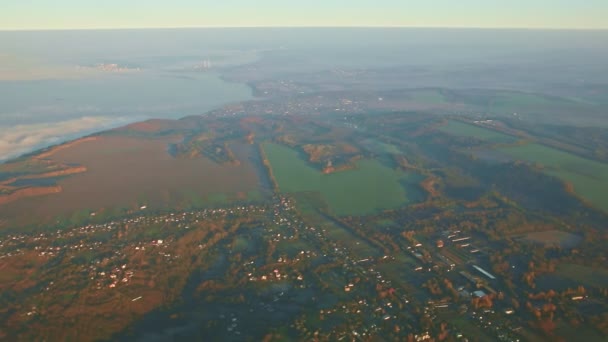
128	172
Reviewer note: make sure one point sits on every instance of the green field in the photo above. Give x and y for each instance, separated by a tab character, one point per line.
377	146
464	129
431	96
516	102
554	238
309	204
369	188
512	101
585	275
588	177
543	108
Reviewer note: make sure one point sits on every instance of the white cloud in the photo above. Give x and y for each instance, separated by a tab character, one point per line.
20	139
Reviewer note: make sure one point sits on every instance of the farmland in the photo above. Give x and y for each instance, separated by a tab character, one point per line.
432	96
588	178
463	129
590	276
379	219
127	172
554	238
368	188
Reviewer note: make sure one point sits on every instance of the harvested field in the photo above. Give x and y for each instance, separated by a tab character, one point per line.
128	172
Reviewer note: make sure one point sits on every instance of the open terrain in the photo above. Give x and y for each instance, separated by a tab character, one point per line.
129	172
270	225
585	177
469	130
554	238
369	187
588	178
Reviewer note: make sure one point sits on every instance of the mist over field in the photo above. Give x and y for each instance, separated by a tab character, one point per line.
57	85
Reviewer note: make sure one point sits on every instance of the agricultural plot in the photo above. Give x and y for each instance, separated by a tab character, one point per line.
463	129
431	96
554	238
584	275
369	188
511	101
517	102
588	178
377	146
308	204
127	172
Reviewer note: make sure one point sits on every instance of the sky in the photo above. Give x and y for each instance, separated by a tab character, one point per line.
114	14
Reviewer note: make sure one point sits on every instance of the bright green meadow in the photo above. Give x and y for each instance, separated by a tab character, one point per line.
369	188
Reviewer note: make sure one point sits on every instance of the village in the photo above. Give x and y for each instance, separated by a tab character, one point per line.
295	261
441	267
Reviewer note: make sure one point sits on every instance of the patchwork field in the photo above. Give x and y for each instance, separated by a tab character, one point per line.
588	178
463	129
585	177
536	106
128	172
369	188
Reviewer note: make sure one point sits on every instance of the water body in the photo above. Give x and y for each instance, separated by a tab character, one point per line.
56	86
36	113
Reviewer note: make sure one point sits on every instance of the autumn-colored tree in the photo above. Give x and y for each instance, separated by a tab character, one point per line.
528	278
547	326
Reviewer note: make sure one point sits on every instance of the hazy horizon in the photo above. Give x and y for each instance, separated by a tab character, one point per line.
321	170
40	14
371	27
54	87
